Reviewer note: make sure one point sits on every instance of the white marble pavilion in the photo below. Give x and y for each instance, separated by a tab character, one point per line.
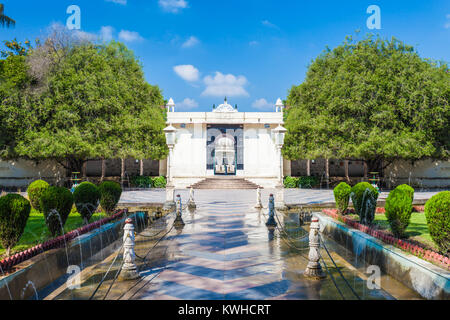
225	143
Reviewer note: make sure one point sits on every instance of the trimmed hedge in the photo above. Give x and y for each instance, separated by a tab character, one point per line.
342	196
398	211
14	213
141	182
110	193
308	182
159	182
290	182
437	212
56	204
409	190
364	198
35	190
86	197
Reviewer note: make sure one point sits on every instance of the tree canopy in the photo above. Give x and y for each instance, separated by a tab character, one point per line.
374	100
79	101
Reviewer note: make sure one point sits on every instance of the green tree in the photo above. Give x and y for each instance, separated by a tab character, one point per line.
375	100
95	104
14	95
4	19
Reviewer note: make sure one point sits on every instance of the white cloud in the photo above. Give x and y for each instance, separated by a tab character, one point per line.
191	42
106	33
262	104
122	2
225	85
173	6
85	36
187	104
269	24
129	36
447	24
187	72
253	43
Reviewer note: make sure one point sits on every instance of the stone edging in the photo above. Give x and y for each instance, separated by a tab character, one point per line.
405	245
7	263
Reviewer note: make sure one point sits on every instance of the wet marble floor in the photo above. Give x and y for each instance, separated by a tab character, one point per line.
225	252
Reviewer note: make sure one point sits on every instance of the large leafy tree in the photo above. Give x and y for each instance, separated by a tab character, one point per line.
81	101
14	89
4	19
375	100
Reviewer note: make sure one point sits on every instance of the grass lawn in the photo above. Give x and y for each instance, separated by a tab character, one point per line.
417	229
36	230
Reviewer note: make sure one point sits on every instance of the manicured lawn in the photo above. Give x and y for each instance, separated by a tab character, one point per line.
36	230
417	229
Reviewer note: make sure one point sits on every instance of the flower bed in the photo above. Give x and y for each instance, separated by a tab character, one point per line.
8	263
405	245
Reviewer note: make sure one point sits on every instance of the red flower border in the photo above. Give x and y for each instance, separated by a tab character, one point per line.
7	263
405	245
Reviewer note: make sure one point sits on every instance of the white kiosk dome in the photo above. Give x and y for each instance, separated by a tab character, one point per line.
225	107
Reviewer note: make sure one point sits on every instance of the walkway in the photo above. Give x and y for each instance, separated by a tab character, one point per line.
225	251
292	196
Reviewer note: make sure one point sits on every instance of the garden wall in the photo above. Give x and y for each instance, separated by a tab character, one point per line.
430	281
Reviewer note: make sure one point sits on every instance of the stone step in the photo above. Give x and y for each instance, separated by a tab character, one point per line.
224	183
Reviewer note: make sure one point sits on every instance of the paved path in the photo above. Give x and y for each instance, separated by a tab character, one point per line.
225	251
292	196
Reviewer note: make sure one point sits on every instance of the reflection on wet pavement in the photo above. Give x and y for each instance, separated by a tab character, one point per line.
225	251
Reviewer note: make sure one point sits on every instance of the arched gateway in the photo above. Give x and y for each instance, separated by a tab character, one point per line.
226	142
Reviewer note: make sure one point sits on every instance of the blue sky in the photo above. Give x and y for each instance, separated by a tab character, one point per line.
197	51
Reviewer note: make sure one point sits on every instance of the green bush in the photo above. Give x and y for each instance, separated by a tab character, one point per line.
307	182
342	196
409	190
141	182
290	182
14	213
398	210
364	198
110	193
437	212
35	190
159	182
86	197
56	204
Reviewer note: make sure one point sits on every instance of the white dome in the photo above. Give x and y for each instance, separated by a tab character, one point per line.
225	107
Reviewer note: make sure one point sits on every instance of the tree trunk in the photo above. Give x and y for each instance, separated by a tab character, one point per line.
103	170
327	172
84	170
141	167
365	170
122	171
347	176
308	168
8	251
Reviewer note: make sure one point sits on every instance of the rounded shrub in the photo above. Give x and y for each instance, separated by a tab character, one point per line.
398	211
364	198
35	190
14	213
159	182
110	193
437	212
409	190
56	204
86	197
290	182
342	196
